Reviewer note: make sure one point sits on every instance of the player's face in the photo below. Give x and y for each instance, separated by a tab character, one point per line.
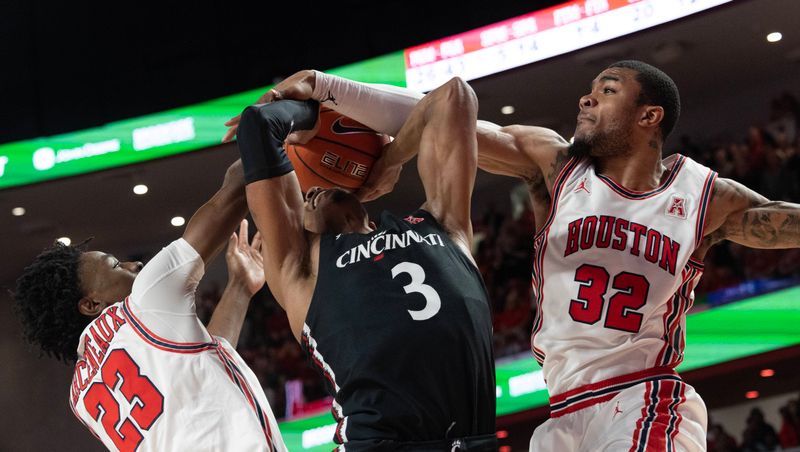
333	210
104	278
607	115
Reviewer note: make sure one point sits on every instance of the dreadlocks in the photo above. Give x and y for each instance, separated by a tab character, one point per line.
46	299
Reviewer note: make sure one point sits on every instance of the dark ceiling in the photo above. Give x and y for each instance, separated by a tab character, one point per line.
720	60
74	65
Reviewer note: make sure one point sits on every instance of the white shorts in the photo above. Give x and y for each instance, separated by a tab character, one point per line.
661	414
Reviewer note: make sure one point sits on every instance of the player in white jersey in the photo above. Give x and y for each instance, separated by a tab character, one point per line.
148	375
621	236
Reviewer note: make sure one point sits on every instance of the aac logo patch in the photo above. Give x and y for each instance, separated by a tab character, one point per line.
677	207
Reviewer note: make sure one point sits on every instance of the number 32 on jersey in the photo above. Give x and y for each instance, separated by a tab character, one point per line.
621	313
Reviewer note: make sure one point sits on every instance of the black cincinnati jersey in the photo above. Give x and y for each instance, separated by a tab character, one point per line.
400	326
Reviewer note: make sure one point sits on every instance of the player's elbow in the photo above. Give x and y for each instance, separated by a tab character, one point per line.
456	93
255	119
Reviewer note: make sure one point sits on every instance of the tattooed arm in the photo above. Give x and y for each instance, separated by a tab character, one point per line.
743	216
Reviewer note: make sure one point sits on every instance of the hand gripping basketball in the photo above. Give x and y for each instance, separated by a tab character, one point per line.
299	86
341	154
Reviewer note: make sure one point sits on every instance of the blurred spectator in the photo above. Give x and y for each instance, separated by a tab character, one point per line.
758	435
790	425
718	440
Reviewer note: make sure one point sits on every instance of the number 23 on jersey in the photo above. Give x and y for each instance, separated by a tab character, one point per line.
122	376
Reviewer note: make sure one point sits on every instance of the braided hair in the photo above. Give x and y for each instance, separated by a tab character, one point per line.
46	301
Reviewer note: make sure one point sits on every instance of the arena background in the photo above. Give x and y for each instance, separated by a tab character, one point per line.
70	67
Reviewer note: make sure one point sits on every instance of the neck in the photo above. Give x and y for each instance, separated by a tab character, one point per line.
640	170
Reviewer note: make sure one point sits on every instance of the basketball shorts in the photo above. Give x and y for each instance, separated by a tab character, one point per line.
657	415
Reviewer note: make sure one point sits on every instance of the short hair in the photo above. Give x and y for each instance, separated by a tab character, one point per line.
46	301
657	88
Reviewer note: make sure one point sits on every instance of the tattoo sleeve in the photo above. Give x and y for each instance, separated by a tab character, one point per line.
755	221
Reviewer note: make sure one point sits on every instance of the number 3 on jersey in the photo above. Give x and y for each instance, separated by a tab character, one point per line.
621	313
432	301
146	402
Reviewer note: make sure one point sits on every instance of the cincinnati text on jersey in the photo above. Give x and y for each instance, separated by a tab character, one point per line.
101	332
607	231
385	242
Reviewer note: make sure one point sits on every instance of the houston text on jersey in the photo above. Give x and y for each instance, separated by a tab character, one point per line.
607	231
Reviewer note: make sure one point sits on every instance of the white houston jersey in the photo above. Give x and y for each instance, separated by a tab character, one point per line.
136	391
149	376
613	275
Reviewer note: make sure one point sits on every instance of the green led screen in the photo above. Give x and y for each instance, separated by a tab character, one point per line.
153	136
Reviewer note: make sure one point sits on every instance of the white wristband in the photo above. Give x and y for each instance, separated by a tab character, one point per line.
383	108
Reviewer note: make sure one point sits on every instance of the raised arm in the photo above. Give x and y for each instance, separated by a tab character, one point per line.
530	153
441	129
245	278
273	192
745	217
212	224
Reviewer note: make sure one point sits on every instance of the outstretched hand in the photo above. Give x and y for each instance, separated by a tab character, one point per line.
299	86
245	264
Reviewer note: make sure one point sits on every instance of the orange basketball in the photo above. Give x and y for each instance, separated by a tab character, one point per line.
340	155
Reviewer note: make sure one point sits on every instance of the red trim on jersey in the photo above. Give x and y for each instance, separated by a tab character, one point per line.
658	424
602	391
311	349
639	195
244	386
159	342
540	246
696	263
679	303
557	186
705	200
640	421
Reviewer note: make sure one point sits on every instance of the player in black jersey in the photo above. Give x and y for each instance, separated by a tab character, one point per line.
395	316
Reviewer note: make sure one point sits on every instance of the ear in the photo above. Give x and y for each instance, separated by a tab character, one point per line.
651	116
372	225
90	307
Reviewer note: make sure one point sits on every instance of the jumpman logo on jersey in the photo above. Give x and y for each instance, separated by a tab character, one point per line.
616	411
329	98
582	186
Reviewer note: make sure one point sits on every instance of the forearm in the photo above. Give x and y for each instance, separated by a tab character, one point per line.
774	224
210	226
229	315
383	108
262	132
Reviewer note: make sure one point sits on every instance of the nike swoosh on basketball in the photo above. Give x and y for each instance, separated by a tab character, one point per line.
341	129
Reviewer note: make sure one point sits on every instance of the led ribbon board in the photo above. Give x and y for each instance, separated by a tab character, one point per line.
163	134
537	36
757	325
495	48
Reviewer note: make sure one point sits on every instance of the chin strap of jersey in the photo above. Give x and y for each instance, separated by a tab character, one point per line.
262	131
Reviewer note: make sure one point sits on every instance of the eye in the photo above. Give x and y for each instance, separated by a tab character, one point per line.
116	264
608	90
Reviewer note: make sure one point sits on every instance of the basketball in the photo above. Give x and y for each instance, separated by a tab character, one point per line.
340	155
